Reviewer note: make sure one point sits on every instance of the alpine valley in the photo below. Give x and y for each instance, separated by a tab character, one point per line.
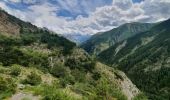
37	64
130	62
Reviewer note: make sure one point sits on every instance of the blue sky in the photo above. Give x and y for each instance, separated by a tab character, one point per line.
86	16
137	1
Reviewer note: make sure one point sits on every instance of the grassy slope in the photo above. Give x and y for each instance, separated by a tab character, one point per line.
51	87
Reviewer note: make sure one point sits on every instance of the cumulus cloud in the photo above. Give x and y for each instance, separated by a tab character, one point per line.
23	1
99	19
15	1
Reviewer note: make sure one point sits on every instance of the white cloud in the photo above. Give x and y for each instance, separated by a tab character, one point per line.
24	1
102	19
15	1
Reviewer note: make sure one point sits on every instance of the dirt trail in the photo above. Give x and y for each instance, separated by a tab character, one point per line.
26	96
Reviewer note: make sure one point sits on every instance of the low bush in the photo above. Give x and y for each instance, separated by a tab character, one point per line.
140	96
59	70
106	90
96	75
51	92
33	79
15	70
7	87
79	76
67	80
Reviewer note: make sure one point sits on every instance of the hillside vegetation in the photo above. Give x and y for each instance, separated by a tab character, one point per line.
38	64
145	58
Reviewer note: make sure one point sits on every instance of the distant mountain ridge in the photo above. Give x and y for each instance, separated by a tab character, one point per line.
102	41
77	38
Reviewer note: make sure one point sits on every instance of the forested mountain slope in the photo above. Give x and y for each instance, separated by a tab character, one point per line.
145	58
101	41
35	63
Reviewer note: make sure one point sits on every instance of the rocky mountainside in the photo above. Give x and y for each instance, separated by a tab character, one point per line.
102	41
38	64
9	25
145	58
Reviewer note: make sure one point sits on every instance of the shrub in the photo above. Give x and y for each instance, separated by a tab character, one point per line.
57	95
7	87
96	75
59	70
67	80
140	96
15	70
78	75
72	63
33	79
89	66
27	39
108	90
85	89
6	84
3	70
51	92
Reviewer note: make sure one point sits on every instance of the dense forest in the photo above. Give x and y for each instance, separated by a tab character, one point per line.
145	59
102	41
